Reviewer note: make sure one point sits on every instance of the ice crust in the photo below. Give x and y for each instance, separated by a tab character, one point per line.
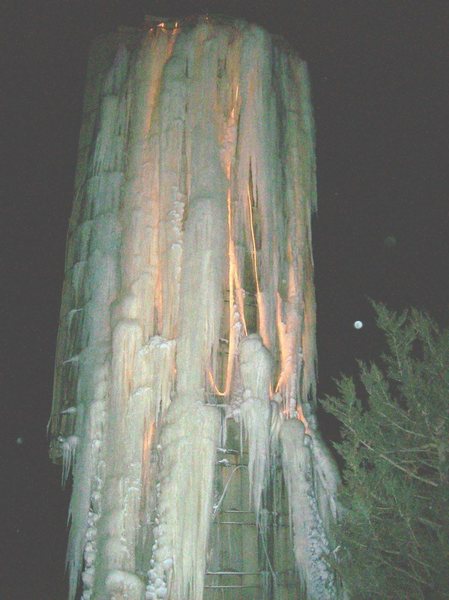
203	154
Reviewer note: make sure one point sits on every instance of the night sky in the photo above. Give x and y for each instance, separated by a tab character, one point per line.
379	74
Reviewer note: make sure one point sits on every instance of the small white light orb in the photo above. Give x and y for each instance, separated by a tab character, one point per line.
19	440
358	324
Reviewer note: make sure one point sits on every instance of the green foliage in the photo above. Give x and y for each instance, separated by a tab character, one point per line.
394	533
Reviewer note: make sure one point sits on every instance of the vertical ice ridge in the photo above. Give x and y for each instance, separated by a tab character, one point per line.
311	544
203	261
256	366
184	502
133	411
100	290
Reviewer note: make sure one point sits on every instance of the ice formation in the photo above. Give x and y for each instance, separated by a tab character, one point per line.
256	366
191	229
311	542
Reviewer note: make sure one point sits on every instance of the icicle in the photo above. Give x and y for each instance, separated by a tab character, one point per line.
188	445
203	266
326	482
256	365
68	455
97	289
311	544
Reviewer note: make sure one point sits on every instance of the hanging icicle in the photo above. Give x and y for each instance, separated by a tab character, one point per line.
311	543
191	228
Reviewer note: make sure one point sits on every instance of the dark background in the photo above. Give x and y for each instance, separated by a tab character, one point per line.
379	75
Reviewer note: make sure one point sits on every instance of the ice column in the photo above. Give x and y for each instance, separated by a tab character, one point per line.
191	229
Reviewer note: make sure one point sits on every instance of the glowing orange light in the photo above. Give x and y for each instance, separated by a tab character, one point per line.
213	385
300	416
148	439
253	238
233	282
282	342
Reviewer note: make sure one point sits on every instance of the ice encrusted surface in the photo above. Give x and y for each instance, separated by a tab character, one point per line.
203	156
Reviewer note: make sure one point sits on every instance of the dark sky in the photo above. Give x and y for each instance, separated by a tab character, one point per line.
379	75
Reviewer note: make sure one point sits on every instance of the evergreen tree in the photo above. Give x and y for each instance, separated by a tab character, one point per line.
393	538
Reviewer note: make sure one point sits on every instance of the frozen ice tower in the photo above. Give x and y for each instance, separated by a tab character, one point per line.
185	370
